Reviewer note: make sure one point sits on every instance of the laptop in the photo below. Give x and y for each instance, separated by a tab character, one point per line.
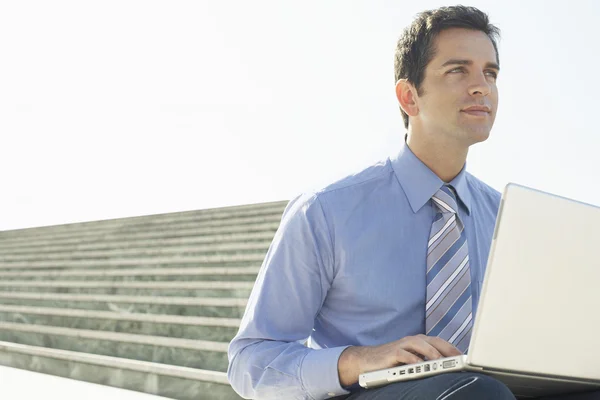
538	319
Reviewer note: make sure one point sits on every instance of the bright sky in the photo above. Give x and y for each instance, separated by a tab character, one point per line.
123	108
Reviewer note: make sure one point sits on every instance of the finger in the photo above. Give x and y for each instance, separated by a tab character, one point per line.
422	347
406	357
444	347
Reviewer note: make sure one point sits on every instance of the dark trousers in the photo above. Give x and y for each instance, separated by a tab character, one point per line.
452	386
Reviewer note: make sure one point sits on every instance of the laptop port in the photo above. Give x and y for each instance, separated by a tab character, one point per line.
426	368
402	372
449	364
417	370
411	370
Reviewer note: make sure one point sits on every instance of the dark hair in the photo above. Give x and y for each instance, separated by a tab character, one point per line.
415	47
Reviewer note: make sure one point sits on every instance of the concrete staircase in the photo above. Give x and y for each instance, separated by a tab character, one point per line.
145	303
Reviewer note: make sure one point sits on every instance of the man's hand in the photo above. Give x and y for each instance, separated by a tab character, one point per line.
356	360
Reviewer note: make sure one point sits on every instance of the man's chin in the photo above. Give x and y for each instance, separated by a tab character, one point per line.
477	135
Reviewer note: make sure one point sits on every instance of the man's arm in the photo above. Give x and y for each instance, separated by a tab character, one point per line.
267	359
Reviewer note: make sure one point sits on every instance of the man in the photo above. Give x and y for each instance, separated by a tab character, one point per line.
385	266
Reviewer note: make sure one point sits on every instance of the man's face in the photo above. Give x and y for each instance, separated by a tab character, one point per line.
461	75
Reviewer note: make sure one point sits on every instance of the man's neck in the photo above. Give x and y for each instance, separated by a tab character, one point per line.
446	158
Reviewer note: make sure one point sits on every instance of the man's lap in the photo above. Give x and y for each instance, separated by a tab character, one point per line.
453	386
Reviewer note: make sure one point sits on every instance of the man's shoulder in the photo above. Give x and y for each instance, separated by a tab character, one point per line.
370	175
353	185
357	183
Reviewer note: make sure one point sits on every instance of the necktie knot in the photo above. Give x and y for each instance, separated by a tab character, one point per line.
445	200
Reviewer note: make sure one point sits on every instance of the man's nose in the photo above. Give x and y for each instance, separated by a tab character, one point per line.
480	85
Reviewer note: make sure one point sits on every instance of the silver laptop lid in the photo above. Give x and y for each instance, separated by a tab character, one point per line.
540	305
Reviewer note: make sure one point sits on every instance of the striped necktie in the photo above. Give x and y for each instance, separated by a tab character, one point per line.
448	307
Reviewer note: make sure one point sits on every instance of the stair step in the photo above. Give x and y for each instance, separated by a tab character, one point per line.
123	316
126	291
166	300
201	271
174	326
239	248
140	308
176	351
170	288
178	260
176	225
141	278
132	285
171	305
77	244
156	234
164	380
235	248
188	344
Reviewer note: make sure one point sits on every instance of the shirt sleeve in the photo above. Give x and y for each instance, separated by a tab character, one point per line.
267	358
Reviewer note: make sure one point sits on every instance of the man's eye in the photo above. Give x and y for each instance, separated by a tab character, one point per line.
457	70
492	74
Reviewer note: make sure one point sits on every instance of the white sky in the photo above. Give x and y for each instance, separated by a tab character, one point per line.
122	108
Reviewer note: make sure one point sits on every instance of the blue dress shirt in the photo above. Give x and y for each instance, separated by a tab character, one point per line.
347	267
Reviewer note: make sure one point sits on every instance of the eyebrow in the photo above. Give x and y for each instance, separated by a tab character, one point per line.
469	62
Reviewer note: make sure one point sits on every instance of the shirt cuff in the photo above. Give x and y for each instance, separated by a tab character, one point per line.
319	373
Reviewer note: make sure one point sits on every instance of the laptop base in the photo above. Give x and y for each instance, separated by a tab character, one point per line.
524	386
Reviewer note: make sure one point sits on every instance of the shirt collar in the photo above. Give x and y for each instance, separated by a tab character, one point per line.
420	183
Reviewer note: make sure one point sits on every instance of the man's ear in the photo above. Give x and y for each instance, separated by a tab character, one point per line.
406	94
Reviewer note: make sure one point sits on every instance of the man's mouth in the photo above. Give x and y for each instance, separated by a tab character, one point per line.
478	111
